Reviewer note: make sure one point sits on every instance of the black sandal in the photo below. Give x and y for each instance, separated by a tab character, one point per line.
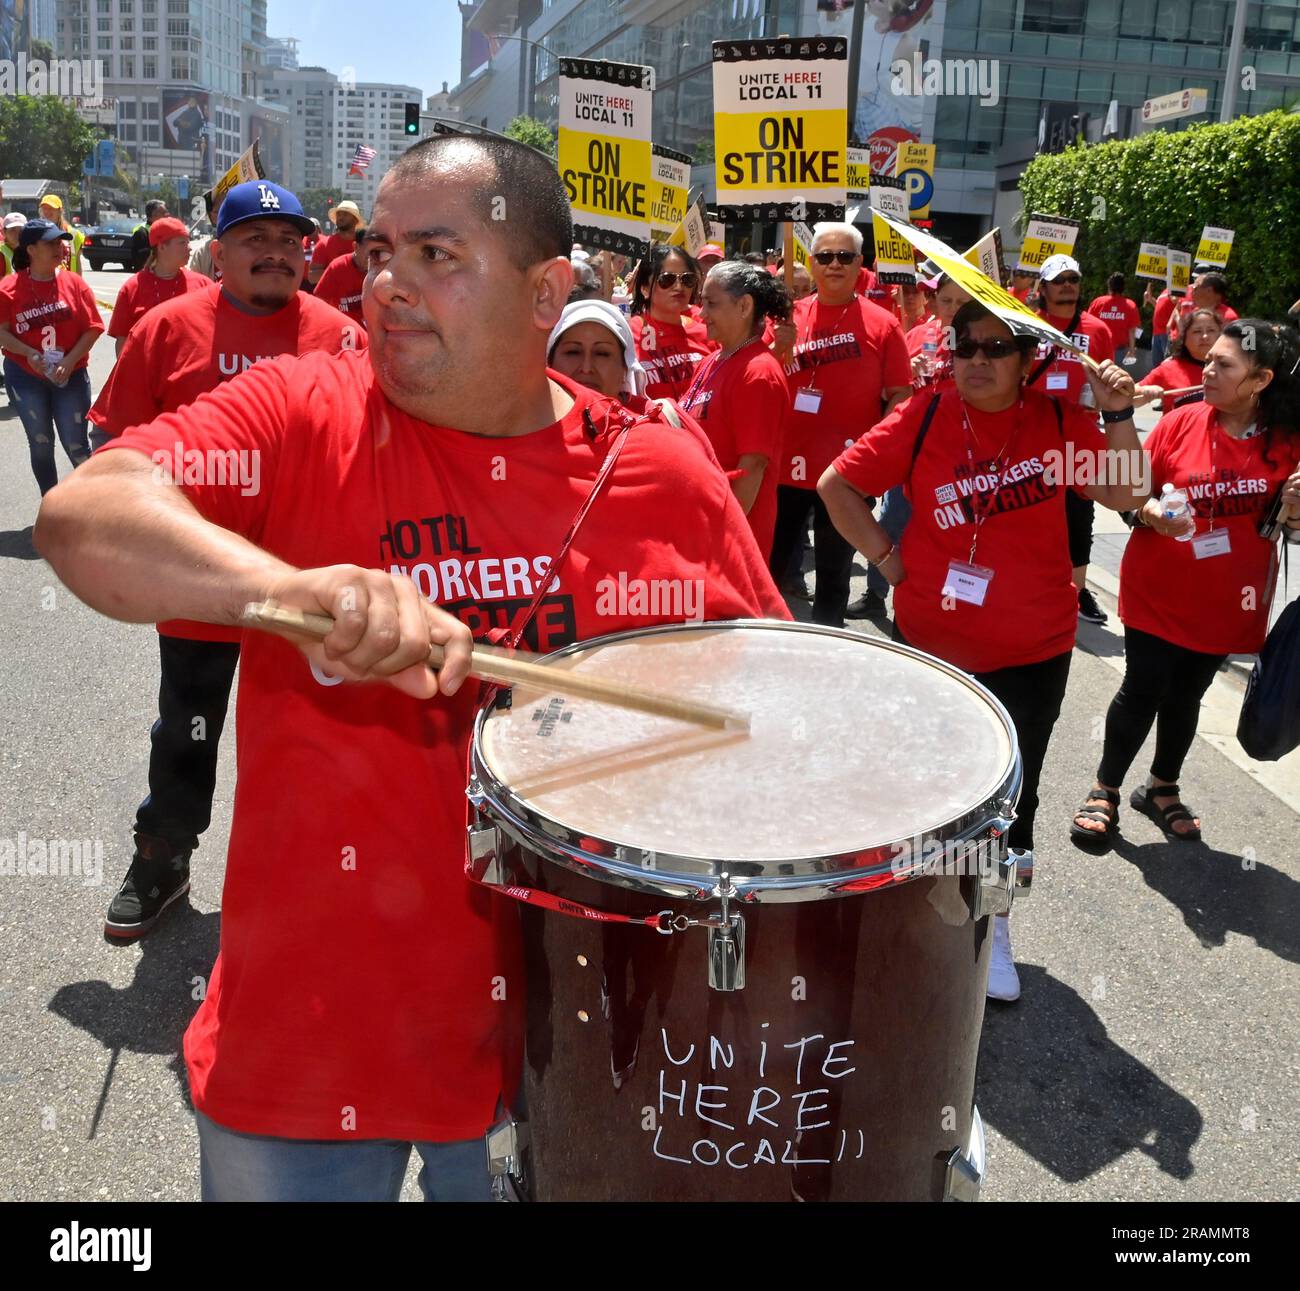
1165	817
1097	839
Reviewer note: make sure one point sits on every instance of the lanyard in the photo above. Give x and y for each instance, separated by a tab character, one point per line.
814	363
981	514
1214	445
710	368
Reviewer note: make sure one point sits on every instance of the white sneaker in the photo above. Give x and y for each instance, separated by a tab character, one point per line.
1004	981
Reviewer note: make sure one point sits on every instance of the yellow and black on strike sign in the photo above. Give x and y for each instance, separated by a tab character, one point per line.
670	185
604	151
780	127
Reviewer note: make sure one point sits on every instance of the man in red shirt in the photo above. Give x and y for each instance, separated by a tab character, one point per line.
1061	374
1162	307
366	995
342	282
850	367
178	351
346	217
1120	314
1209	291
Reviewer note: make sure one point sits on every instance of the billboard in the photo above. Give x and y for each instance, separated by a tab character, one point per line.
891	30
268	134
15	28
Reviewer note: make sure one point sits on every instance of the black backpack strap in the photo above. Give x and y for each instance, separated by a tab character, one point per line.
924	429
1060	416
1051	358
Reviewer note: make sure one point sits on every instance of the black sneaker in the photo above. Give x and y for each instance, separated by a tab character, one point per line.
797	588
157	877
870	605
1089	609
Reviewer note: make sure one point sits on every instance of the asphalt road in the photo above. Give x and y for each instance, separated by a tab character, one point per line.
1153	1055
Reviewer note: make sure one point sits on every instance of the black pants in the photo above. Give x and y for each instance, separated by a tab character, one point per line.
832	554
1078	525
1032	694
192	700
1163	683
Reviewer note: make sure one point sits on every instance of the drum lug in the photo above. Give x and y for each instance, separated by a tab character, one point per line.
994	889
485	854
727	955
726	942
966	1169
507	1141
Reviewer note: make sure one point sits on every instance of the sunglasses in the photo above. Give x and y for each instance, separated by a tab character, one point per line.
1066	280
995	349
669	280
836	257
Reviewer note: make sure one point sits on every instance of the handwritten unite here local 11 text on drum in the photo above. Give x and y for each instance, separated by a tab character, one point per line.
739	1107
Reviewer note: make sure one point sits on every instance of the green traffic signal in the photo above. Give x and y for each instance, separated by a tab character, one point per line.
412	118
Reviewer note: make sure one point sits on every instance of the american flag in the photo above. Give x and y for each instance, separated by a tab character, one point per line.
361	159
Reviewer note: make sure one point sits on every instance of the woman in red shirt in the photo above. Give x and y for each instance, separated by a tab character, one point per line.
1187	605
740	395
592	345
1196	334
669	342
163	276
982	576
48	322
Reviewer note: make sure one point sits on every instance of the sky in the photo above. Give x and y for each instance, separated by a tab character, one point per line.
401	42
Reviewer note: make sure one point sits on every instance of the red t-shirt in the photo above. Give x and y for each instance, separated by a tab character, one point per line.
669	353
1067	377
47	315
1161	311
1022	293
328	249
1217	604
1030	609
193	343
142	291
852	354
369	984
742	404
1120	314
340	285
1174	374
1184	306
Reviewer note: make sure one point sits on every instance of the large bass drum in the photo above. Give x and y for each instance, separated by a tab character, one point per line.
756	961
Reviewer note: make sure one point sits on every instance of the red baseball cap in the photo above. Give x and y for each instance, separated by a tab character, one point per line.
164	230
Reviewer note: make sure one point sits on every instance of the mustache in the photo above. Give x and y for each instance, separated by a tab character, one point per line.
272	266
396	320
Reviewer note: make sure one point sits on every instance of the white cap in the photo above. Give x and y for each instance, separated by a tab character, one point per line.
1058	264
15	220
607	315
579	256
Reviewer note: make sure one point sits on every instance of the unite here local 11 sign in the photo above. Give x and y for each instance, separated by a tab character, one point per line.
780	124
604	152
1047	235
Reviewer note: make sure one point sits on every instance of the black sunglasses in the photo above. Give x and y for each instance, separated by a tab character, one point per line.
1070	280
995	349
842	257
669	280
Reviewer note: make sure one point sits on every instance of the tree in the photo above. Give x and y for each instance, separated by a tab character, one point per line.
317	201
704	151
1166	187
42	138
535	133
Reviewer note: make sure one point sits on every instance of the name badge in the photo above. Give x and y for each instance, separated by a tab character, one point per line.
807	400
967	583
1058	380
1215	542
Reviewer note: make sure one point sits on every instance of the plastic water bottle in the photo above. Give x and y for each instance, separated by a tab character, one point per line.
929	357
1173	502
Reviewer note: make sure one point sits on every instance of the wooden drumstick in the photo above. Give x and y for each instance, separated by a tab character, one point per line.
509	668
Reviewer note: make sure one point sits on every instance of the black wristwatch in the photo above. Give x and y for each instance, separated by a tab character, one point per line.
1110	417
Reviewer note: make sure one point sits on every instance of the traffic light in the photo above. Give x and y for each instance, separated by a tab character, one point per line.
412	119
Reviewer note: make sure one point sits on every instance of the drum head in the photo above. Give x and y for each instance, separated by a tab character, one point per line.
855	743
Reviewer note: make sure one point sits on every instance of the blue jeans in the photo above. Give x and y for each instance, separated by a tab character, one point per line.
251	1167
895	512
1159	349
44	408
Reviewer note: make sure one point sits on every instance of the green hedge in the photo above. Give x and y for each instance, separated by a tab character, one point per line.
1165	187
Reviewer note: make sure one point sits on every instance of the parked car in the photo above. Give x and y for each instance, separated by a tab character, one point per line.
111	243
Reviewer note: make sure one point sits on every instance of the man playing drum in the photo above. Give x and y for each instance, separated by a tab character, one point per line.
366	997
